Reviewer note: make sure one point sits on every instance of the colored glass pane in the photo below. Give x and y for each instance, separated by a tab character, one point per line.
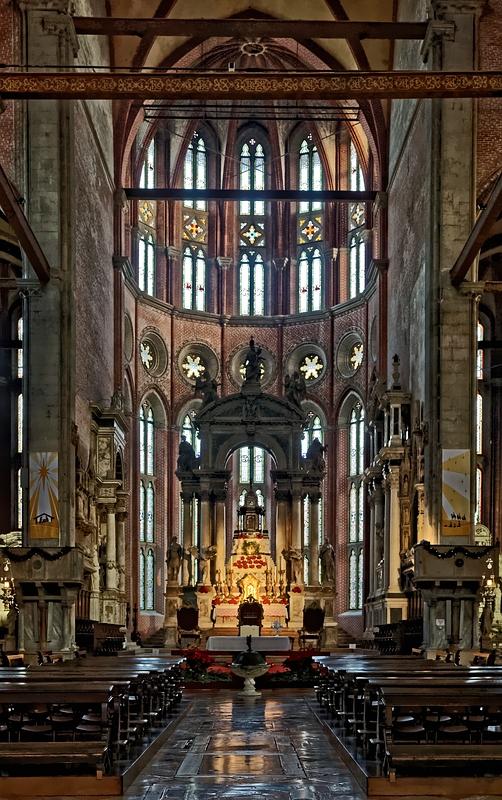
150	581
353	513
200	281
360	436
479	423
479	496
150	512
142	507
150	439
187	278
142	442
361	258
244	465
201	172
353	443
259	287
20	350
142	263
142	580
245	286
353	581
19	499
480	358
353	268
245	177
150	267
360	579
303	281
316	280
20	423
193	366
258	465
360	513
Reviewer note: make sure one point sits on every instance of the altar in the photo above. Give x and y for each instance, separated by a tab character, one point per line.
236	644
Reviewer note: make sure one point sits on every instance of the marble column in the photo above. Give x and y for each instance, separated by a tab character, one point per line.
314	539
220	530
393	537
282	499
186	499
111	550
206	529
296	520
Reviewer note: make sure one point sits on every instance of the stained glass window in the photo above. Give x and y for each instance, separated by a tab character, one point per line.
142	579
306	536
313	431
356	212
252	176
147	177
150	580
195	170
146	264
479	496
190	434
150	442
310	170
480	360
194	279
193	366
479	424
310	280
150	510
356	495
251	284
251	465
20	349
19	499
142	507
312	367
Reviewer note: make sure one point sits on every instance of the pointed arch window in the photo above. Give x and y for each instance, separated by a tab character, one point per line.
150	581
310	280
252	176
356	496
146	493
313	431
479	424
310	173
252	284
195	170
147	177
189	432
357	232
251	465
146	264
194	278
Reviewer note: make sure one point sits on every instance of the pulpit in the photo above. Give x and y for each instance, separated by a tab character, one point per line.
250	615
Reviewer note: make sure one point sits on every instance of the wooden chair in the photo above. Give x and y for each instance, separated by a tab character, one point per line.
250	613
313	628
189	633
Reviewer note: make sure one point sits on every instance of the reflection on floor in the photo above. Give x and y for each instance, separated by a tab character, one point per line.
234	748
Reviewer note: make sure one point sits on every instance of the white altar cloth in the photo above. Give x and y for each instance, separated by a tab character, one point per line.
262	644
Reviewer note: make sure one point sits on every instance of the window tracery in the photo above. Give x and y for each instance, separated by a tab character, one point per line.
252	240
195	226
310	229
356	225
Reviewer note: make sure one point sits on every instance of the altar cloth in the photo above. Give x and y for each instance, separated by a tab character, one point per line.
262	644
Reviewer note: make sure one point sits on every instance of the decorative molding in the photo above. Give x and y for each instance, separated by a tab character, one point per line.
381	201
224	262
437	30
292	85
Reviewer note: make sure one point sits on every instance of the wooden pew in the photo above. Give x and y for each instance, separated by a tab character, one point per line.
94	754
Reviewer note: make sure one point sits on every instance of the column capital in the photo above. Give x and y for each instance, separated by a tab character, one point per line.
224	262
120	199
332	252
61	25
381	201
437	30
173	253
472	289
392	477
280	263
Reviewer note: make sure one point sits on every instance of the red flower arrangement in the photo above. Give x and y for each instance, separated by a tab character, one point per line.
297	590
219	669
204	589
277	669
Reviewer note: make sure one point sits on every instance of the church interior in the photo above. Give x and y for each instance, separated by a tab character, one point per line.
250	385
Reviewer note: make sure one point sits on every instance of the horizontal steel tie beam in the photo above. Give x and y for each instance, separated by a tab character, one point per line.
239	195
249	28
248	85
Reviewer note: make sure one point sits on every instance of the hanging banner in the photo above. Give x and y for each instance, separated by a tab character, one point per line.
44	496
456	493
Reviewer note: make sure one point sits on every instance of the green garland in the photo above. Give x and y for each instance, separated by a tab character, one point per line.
454	550
36	551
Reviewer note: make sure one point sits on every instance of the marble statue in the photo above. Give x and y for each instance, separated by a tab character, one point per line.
315	455
174	555
327	556
253	362
186	455
294	557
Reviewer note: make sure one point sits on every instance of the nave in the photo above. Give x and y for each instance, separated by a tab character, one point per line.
228	747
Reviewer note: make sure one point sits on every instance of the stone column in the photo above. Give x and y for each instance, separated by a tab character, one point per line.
49	39
296	520
111	550
393	537
186	499
281	499
220	530
373	549
280	265
314	539
224	263
174	277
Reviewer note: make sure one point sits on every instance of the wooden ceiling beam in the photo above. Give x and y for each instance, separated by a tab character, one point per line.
12	209
248	85
240	195
249	28
480	231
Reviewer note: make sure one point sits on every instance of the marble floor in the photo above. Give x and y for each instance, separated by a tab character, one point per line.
233	748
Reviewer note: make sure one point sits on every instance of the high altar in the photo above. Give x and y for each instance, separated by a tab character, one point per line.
254	567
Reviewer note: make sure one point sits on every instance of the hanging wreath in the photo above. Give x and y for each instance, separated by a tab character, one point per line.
455	550
36	551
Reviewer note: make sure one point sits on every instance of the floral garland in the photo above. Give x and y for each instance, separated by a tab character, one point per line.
454	550
36	551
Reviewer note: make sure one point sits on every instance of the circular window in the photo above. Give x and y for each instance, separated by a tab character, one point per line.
237	371
196	360
350	354
153	354
310	360
128	338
